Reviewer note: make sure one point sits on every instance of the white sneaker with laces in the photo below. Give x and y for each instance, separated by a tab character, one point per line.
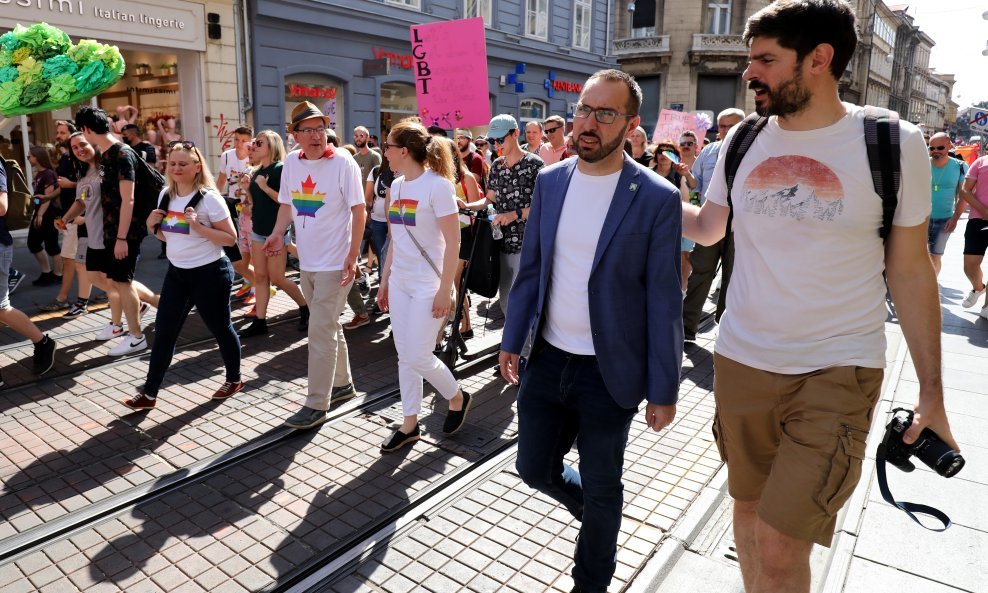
984	312
972	298
109	332
129	345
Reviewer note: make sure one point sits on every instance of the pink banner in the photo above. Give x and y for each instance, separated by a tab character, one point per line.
450	63
671	125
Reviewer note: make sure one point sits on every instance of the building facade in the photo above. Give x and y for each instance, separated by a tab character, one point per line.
539	54
181	65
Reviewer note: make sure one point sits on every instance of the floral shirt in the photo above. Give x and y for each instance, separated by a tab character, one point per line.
117	165
513	187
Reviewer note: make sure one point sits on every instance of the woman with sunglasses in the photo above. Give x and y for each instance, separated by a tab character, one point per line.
197	226
269	154
419	271
666	162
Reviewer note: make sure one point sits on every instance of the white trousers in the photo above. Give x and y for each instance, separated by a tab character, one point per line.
414	331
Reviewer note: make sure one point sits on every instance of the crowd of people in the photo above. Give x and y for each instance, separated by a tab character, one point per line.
609	246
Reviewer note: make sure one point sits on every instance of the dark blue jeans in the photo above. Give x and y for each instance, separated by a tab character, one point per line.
207	288
379	242
563	400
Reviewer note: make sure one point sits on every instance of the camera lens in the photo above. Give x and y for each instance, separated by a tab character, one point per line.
949	464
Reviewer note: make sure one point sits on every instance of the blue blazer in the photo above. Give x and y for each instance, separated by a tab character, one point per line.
636	303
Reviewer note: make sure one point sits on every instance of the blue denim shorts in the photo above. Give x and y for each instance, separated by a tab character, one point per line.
6	259
936	239
262	238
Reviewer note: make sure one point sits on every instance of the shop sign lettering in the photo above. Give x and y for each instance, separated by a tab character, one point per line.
399	60
567	87
298	90
77	7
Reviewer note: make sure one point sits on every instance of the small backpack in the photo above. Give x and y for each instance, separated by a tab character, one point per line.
19	196
148	183
881	128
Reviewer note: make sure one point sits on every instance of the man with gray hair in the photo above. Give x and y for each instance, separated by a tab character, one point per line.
704	258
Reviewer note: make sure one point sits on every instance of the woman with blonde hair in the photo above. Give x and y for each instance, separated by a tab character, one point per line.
418	272
269	154
195	222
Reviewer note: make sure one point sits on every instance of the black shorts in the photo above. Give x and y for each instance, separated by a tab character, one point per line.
118	270
466	242
976	237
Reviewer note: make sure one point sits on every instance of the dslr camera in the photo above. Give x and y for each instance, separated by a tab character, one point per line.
929	447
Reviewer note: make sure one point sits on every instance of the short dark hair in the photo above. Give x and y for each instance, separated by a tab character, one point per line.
802	25
244	131
437	131
68	125
93	118
634	91
132	128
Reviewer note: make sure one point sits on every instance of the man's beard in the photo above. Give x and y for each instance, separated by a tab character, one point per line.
602	151
360	143
789	98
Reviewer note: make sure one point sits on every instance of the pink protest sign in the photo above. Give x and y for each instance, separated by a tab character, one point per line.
450	63
672	123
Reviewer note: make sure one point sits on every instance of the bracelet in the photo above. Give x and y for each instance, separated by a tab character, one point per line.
121	238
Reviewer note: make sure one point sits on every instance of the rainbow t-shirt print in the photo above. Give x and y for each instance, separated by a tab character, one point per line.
403	212
308	201
175	222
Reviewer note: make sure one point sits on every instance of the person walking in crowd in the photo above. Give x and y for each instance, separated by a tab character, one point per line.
42	236
375	193
533	137
801	348
418	274
322	193
122	235
233	166
44	347
509	187
603	323
132	136
554	150
87	172
67	170
484	150
473	160
666	162
704	259
198	225
366	159
975	194
468	191
689	147
946	182
265	183
639	147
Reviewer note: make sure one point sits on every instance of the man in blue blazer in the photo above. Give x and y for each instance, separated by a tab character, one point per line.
597	310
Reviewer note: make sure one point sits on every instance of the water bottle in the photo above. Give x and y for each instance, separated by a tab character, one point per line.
496	232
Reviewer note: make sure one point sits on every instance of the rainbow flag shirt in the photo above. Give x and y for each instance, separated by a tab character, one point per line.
175	222
402	211
308	201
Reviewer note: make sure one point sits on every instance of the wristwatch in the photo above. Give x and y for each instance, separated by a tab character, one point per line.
518	213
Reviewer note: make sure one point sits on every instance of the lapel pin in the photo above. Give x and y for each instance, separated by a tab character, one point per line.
633	187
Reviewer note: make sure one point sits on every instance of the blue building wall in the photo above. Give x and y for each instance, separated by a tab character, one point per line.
293	38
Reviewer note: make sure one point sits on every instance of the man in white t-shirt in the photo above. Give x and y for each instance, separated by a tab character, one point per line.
322	193
801	349
234	165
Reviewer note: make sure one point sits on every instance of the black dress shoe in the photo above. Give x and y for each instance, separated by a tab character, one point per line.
400	439
454	420
258	327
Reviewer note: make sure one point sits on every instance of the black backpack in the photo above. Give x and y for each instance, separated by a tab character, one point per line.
881	139
148	183
165	198
19	196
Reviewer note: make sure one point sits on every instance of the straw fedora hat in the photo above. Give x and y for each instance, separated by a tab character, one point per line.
303	111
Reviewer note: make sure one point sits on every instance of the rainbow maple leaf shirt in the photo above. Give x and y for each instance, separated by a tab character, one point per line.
308	201
402	211
175	222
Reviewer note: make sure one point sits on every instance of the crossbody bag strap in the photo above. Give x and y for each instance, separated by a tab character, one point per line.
418	245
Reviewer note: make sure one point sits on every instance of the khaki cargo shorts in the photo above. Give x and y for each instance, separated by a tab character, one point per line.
794	443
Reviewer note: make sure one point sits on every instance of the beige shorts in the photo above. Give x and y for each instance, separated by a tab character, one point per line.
70	242
794	443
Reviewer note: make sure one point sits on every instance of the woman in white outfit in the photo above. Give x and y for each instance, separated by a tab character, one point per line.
418	272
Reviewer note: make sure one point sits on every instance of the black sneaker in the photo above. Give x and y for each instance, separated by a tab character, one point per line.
303	318
400	439
258	327
454	420
46	279
44	356
14	279
342	393
363	286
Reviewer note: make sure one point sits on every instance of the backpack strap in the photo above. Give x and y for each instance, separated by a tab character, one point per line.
882	141
742	140
165	199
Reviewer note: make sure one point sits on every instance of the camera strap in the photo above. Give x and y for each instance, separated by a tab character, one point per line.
909	508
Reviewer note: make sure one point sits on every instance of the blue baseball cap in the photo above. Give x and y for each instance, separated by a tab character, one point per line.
501	125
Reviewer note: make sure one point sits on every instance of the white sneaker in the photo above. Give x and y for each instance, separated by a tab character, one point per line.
144	309
984	312
972	298
109	332
129	345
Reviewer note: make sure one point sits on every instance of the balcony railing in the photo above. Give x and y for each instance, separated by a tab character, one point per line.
644	46
718	44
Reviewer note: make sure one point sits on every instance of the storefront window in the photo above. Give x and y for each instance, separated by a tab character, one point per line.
533	110
398	101
324	92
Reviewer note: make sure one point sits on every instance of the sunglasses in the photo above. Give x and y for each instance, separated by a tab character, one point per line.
258	143
186	144
387	145
683	144
551	130
500	140
938	148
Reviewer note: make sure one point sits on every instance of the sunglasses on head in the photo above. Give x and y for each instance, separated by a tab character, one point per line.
184	144
938	148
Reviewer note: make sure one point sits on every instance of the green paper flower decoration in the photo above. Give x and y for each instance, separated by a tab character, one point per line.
59	65
41	70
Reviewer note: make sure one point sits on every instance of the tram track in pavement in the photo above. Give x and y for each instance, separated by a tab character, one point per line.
36	538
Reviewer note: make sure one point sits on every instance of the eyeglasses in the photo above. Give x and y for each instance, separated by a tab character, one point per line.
601	114
551	130
480	143
686	144
387	145
938	148
319	130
